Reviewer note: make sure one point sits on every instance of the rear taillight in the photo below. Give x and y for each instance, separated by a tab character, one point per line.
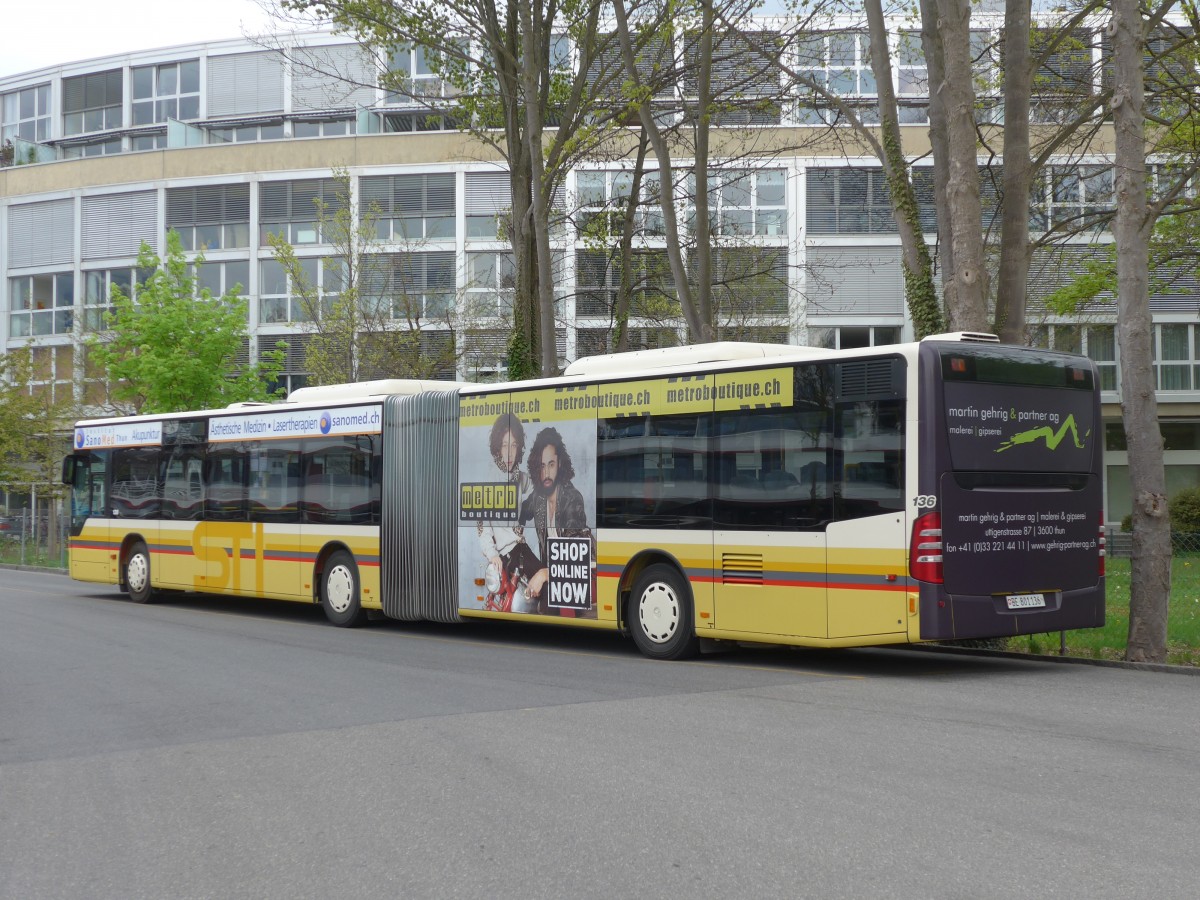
925	549
1102	544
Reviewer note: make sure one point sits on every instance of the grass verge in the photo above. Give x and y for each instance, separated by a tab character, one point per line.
1183	619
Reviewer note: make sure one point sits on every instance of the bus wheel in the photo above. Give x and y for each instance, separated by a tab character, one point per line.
137	574
660	614
339	591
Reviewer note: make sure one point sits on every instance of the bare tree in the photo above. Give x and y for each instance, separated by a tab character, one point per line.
1150	584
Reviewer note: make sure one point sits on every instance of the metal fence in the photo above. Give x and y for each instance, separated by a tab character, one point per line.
33	539
1119	544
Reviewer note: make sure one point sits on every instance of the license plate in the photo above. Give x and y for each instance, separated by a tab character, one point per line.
1026	601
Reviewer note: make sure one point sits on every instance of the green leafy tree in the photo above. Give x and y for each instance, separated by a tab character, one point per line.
175	346
34	425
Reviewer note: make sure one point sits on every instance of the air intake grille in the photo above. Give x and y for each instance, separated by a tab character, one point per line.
741	568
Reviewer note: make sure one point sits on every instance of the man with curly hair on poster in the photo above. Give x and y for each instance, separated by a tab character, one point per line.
559	510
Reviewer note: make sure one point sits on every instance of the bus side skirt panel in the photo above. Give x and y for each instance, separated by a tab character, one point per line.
419	536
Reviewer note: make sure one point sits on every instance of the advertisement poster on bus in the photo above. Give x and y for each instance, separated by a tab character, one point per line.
527	503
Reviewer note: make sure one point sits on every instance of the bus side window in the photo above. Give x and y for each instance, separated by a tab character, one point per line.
339	486
225	483
182	490
136	489
870	440
652	472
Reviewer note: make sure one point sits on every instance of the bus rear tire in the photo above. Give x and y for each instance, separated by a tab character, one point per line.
661	616
340	594
137	574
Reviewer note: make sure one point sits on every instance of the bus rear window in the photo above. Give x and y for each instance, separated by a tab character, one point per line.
1015	367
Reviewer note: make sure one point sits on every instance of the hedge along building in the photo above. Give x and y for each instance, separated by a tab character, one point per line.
226	142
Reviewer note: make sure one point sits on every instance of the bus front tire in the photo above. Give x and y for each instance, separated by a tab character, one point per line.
137	574
340	594
660	614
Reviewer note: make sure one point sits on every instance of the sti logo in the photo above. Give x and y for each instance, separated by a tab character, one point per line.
326	423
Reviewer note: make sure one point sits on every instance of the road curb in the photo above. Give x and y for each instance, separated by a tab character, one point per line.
45	570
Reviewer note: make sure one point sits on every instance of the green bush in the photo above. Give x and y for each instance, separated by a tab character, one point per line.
1185	510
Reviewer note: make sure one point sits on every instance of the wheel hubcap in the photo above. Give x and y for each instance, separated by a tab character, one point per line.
658	612
137	573
339	588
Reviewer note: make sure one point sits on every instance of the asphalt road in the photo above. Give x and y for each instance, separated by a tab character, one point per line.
214	748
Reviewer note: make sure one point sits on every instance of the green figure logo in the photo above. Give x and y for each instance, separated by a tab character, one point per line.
1053	438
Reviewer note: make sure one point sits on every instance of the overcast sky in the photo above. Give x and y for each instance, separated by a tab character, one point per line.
37	33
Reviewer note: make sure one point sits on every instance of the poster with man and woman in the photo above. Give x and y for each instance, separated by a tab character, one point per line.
527	504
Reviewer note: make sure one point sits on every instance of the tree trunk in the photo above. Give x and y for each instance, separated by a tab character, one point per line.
931	41
532	28
967	311
1013	278
524	358
919	293
629	216
1150	584
699	329
702	285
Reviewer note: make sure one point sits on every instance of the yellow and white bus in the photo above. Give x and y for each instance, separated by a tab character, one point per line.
937	490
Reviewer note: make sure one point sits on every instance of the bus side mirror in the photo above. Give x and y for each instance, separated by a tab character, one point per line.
68	469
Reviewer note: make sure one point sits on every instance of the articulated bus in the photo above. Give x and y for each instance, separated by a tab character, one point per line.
931	491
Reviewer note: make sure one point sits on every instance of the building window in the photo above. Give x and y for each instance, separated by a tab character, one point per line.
410	78
1096	341
748	282
307	128
1066	76
488	202
25	114
295	372
604	196
281	300
92	102
838	61
247	134
92	148
289	208
491	281
852	337
485	354
598	341
221	278
912	79
41	304
53	372
420	286
167	91
420	121
210	217
745	203
155	140
598	282
97	293
745	76
857	201
1175	358
1072	197
410	207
